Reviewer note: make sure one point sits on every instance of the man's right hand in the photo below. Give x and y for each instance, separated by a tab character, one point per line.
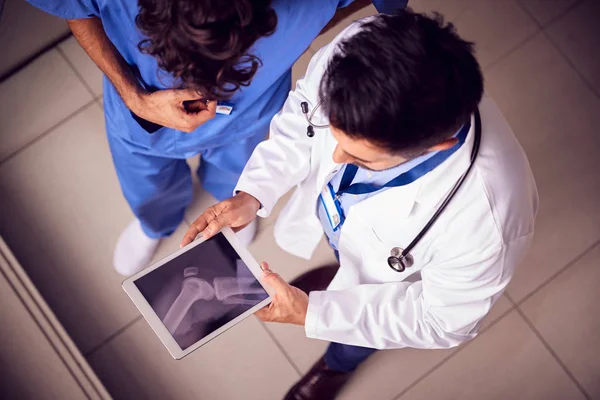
236	212
166	108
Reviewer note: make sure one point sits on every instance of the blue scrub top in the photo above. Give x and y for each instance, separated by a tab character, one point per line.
299	22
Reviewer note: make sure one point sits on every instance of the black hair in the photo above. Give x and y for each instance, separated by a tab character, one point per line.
404	82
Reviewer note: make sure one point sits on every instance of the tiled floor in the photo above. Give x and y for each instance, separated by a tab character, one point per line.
62	210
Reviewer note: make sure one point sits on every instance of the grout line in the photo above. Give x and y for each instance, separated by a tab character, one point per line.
571	64
562	14
458	350
28	308
106	341
553	353
526	11
510	299
505	55
23	64
553	276
76	72
45	133
281	348
562	53
515	306
99	101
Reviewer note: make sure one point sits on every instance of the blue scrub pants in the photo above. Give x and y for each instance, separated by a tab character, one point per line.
346	358
159	189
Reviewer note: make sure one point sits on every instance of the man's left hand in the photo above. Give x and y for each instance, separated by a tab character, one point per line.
289	304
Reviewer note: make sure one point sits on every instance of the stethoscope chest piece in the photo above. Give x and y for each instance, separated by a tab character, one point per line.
399	262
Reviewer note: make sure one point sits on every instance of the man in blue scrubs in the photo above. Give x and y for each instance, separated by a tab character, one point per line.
166	64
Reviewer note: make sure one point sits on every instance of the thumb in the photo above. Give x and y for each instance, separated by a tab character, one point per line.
273	279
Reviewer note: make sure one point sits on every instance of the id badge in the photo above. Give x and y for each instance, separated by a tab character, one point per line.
224	108
332	207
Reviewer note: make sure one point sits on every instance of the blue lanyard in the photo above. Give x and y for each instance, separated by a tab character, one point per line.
402	179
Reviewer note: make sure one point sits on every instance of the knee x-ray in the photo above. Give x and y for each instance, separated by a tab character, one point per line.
201	290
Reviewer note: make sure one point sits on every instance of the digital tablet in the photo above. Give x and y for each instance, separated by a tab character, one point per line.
198	292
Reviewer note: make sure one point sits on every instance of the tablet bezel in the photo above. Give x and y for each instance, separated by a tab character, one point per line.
155	322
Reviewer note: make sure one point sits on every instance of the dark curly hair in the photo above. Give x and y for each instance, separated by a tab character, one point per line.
204	44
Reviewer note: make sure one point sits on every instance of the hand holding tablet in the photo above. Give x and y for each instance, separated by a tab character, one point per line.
289	304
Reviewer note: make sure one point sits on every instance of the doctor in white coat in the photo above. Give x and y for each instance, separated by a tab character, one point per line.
395	101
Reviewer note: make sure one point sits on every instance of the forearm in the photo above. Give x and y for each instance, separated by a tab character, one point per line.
441	310
385	316
90	34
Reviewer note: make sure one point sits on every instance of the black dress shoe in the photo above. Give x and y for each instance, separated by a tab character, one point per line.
316	279
320	383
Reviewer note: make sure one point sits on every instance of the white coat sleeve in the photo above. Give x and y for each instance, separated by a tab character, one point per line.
283	161
442	310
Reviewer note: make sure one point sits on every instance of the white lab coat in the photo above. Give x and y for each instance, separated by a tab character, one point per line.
463	263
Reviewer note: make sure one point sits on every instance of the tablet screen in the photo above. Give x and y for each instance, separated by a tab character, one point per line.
201	290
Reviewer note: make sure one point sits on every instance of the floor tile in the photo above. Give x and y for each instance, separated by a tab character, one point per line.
83	64
450	9
506	362
24	31
566	314
555	116
37	98
496	27
578	36
27	354
62	214
242	363
544	11
327	37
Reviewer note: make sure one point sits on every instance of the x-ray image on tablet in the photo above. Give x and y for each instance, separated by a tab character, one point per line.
198	292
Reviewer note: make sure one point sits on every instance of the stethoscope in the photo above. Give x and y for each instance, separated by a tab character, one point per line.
400	258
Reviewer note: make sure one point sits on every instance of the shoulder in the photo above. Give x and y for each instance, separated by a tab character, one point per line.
504	176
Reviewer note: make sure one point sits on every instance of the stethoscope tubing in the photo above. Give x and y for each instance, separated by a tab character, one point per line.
405	254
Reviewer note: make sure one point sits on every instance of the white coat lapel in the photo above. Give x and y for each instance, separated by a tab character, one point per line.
328	168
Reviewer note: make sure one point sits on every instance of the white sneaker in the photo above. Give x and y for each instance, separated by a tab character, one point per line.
134	250
246	235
